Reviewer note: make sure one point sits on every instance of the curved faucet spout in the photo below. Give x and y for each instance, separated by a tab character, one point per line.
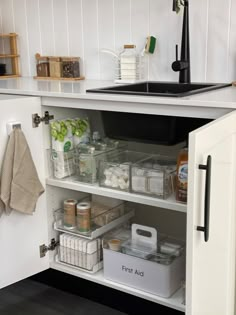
183	65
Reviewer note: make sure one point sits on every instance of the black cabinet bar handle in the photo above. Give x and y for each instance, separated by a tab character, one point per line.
205	228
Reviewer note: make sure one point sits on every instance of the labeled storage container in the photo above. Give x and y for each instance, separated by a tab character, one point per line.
114	172
80	253
104	215
154	176
157	270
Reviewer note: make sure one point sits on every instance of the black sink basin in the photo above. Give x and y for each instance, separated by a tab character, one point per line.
152	88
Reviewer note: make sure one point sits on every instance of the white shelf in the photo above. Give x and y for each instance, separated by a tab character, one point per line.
175	301
169	203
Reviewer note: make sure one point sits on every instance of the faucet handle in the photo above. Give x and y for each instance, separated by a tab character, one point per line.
176	52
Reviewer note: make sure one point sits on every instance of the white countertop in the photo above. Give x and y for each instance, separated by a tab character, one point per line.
223	98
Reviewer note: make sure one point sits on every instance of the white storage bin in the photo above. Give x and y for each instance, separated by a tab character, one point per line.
157	272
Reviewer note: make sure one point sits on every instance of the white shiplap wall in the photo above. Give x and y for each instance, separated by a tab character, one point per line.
83	27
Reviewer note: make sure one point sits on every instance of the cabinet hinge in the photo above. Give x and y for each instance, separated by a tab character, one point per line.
43	249
36	119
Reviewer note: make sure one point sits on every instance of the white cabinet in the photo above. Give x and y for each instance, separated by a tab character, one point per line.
210	277
21	235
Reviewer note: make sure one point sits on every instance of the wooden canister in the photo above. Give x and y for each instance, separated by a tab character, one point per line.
55	67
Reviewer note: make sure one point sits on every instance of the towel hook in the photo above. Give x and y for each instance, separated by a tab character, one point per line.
11	125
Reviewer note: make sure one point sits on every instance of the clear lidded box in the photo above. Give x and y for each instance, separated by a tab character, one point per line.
87	157
154	176
114	171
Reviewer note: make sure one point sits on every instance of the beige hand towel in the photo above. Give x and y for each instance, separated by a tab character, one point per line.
20	185
2	206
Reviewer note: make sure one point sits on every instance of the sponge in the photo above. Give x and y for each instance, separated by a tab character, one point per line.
150	44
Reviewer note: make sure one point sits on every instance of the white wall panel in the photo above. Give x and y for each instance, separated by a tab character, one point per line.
218	41
232	43
46	27
75	31
60	27
34	38
140	28
122	23
166	25
8	25
106	38
20	18
91	46
198	23
82	27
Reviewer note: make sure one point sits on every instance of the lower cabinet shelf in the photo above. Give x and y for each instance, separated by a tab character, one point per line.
175	301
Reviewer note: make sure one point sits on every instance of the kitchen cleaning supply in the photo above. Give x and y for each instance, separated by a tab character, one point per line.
150	44
182	176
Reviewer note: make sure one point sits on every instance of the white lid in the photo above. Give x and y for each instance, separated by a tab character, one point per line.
83	205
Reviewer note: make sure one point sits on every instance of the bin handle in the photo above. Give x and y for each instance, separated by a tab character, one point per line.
145	234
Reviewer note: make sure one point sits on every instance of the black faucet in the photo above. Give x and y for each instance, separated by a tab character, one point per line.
183	65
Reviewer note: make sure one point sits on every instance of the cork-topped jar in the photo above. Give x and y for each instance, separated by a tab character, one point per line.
42	67
55	67
70	67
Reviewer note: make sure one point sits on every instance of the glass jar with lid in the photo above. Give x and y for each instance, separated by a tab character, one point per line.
42	67
128	63
70	67
55	67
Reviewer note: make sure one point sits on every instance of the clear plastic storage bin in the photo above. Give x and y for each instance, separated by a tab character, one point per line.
114	171
106	214
154	176
87	157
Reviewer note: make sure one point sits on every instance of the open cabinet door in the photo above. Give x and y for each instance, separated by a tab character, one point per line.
210	283
21	234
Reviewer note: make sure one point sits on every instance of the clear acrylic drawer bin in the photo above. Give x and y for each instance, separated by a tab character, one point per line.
114	172
154	176
61	164
80	253
106	214
87	157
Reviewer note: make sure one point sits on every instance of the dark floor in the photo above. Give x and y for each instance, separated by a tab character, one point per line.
56	293
29	297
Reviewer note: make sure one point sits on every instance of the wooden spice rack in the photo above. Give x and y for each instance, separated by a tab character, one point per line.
9	43
46	60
